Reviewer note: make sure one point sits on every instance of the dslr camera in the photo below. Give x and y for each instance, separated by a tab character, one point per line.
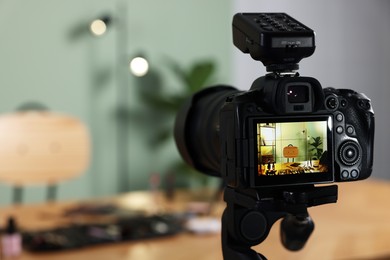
273	143
286	130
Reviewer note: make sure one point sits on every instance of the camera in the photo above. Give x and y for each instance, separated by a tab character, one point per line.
274	143
286	130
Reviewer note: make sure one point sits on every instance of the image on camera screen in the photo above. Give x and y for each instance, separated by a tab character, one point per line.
296	149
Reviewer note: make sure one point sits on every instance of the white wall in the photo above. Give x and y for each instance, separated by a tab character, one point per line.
353	40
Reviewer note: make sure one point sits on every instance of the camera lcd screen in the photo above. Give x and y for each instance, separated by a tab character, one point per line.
293	151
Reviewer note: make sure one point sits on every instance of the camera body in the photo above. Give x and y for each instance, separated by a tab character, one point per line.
271	134
273	143
286	130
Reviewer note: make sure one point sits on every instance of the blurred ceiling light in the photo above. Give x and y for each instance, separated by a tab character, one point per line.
99	26
139	66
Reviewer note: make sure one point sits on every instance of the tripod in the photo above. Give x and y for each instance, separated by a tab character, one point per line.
250	214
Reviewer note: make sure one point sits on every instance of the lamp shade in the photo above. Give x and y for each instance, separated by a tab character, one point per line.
42	147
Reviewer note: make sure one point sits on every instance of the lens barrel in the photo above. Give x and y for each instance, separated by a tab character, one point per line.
197	129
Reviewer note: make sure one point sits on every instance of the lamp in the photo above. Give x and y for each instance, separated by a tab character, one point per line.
139	66
98	27
41	147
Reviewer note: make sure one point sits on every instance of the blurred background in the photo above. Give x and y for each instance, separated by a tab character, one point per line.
50	55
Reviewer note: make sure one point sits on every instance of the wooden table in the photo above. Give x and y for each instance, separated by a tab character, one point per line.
357	227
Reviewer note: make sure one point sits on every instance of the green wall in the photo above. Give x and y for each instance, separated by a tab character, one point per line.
47	56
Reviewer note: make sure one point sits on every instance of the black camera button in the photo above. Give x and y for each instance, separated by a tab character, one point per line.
354	174
345	174
364	104
350	130
331	103
343	103
339	129
339	117
280	16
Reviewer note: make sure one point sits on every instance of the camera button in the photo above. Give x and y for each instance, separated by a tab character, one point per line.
345	174
339	129
364	104
331	103
350	130
343	103
339	117
354	173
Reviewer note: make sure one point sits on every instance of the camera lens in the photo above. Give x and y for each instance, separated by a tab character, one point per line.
197	129
297	94
331	102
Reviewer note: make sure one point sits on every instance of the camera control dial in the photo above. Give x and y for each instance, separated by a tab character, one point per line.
349	153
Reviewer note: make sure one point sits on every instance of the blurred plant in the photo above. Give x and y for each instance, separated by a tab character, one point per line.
191	81
163	105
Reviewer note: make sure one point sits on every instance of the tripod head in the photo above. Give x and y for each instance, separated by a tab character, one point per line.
250	214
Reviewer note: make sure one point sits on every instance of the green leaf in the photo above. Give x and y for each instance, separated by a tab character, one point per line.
161	137
178	70
165	103
199	75
196	77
